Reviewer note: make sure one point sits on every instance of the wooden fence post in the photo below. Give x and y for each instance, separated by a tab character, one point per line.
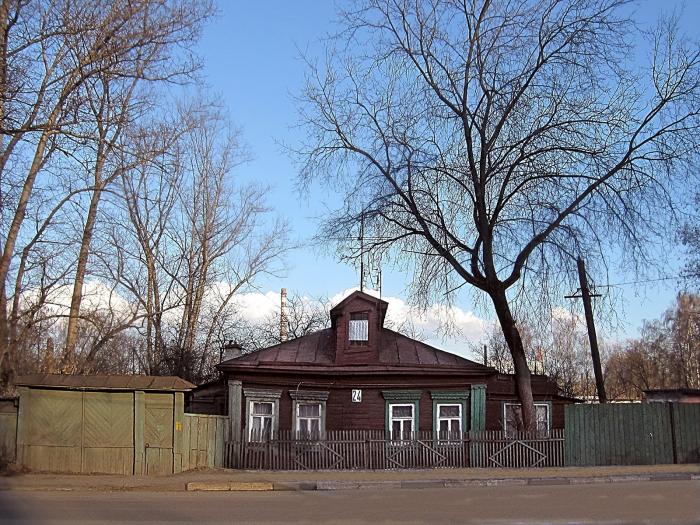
22	422
235	403
365	452
139	422
178	420
674	447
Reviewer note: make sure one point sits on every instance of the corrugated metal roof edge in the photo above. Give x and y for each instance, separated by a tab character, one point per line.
177	384
276	347
397	369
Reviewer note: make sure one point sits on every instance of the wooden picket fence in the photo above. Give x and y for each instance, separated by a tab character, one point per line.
371	449
517	450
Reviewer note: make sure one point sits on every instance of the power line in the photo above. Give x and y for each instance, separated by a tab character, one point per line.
644	281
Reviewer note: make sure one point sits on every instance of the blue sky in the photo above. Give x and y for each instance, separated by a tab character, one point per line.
251	56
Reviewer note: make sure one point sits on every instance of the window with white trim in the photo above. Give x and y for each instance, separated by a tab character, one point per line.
449	420
358	328
513	420
401	421
309	413
308	420
262	416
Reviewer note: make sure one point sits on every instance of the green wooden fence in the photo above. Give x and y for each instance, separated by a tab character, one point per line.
109	432
686	432
632	434
8	431
204	441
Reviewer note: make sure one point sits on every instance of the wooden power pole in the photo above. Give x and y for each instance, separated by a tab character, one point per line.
586	295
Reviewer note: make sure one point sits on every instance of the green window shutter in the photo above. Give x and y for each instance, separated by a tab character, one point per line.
478	408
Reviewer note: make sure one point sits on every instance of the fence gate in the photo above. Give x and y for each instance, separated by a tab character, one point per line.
8	431
158	434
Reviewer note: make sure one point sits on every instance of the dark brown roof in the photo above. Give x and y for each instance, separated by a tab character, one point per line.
677	391
362	295
97	382
315	351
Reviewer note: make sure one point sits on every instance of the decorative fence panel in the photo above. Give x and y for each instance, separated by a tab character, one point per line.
356	449
519	450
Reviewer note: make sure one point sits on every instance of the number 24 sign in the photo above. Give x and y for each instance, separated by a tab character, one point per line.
356	395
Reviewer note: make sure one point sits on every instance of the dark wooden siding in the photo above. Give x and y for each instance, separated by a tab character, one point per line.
347	354
501	389
342	414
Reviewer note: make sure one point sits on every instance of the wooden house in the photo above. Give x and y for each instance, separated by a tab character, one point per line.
360	375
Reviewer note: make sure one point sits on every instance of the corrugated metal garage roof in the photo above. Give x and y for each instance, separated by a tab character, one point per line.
105	382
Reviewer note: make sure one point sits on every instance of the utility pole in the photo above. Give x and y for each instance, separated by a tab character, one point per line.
586	295
486	355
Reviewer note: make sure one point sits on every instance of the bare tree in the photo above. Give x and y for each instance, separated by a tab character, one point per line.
689	237
51	53
488	143
304	315
192	237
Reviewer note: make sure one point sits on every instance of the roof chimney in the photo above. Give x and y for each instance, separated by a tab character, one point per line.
284	323
231	350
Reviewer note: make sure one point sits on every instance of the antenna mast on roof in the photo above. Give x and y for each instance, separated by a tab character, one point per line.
284	322
361	238
372	266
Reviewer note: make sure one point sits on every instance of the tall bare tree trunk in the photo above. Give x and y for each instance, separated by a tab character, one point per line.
517	352
68	360
11	241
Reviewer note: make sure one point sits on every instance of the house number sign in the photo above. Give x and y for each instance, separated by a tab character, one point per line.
356	395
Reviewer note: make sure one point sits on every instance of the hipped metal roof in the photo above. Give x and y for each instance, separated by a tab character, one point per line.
106	382
316	350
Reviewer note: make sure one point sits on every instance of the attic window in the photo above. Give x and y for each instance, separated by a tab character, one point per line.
358	329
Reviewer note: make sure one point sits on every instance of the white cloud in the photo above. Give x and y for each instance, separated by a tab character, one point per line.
466	327
96	297
257	306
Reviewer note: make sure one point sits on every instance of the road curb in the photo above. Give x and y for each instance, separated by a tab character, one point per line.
500	482
330	485
234	486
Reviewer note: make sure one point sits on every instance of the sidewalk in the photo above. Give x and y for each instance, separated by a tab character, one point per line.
225	480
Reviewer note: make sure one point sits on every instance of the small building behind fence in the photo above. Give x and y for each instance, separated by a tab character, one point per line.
108	424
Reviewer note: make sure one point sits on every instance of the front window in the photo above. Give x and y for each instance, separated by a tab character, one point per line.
261	417
449	421
358	328
401	421
513	419
308	420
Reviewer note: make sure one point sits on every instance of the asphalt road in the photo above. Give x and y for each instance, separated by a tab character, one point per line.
664	502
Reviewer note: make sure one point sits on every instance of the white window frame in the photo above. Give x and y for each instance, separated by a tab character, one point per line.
309	397
538	431
251	416
358	329
401	419
259	395
298	418
450	419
